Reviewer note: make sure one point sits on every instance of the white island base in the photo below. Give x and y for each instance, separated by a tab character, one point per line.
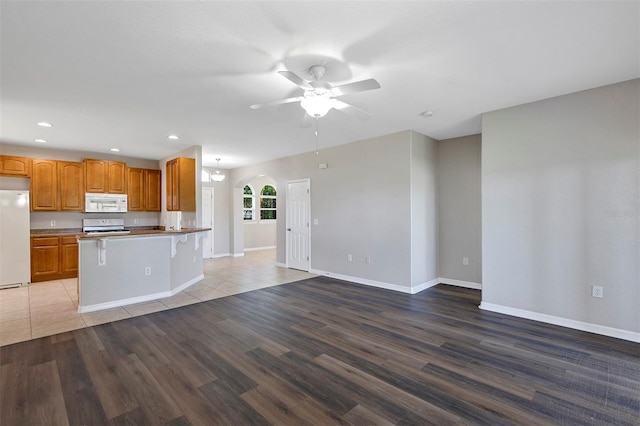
125	269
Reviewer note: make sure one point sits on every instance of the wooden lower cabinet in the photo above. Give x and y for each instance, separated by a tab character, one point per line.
69	256
53	258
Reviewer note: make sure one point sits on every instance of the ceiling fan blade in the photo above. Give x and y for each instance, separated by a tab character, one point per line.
278	102
307	120
351	110
292	77
358	86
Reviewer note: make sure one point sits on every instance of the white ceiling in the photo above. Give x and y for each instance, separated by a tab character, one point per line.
127	74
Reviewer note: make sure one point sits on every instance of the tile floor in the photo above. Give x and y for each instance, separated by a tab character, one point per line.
51	307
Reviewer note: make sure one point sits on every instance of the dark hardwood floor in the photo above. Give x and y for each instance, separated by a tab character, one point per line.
322	352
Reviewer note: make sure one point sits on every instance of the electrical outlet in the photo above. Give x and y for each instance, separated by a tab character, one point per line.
135	221
53	223
597	291
147	271
349	258
465	261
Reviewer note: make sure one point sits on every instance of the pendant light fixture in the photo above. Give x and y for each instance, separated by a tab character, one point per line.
217	177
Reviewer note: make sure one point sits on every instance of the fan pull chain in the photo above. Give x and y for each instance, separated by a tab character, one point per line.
316	132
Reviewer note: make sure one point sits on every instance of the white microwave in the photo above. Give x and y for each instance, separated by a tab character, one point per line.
105	203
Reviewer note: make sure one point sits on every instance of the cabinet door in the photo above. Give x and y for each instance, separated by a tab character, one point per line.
45	258
95	175
172	180
71	181
44	185
152	190
15	166
69	256
135	189
117	177
186	184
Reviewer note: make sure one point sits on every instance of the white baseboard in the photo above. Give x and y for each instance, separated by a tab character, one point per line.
260	248
373	283
217	256
138	299
186	285
123	302
424	286
564	322
281	265
460	283
237	254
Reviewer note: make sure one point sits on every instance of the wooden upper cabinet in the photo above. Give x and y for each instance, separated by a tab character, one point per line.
144	189
152	190
15	166
135	189
102	176
116	177
44	185
181	184
95	172
71	185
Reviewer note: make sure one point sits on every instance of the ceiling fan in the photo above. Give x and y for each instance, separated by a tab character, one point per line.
319	97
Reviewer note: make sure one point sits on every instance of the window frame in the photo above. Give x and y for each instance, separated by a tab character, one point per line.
274	209
253	204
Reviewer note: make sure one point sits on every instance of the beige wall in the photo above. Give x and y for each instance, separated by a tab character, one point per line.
560	209
459	209
363	206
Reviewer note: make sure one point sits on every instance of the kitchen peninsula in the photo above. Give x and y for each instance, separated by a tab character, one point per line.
119	270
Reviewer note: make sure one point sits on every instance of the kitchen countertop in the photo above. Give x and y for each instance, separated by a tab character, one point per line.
134	232
141	232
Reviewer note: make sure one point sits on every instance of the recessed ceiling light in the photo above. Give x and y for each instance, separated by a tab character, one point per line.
427	114
41	141
115	149
173	137
44	124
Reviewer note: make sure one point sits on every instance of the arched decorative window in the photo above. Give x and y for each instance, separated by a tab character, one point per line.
249	203
205	176
268	203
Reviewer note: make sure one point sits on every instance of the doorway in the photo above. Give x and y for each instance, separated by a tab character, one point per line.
298	240
207	222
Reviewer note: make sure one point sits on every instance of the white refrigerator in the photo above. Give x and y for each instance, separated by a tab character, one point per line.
15	238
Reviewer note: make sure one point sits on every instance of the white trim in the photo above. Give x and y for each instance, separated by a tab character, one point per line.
420	287
138	299
123	302
378	284
260	248
564	322
281	265
237	254
460	283
188	284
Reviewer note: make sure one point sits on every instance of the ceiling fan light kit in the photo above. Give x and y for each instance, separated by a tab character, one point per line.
317	106
319	97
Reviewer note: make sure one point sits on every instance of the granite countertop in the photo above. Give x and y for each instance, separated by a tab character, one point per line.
140	230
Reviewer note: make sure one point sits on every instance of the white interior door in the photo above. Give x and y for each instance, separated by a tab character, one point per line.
298	222
207	222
